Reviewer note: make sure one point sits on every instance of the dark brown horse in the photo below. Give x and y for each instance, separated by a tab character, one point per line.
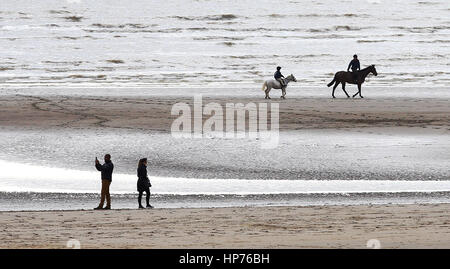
348	77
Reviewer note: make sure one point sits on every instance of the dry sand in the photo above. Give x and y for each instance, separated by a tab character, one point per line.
395	226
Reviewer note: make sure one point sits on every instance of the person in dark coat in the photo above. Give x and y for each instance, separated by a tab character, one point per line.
143	183
106	172
279	77
355	66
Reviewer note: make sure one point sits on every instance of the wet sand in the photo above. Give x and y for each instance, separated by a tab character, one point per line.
394	226
321	138
153	113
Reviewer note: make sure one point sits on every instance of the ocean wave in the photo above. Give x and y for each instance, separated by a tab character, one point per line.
73	77
276	15
228	44
218	38
68	37
425	29
220	17
371	41
73	18
135	28
345	15
130	25
75	63
316	15
427	3
337	28
274	56
434	41
115	61
59	11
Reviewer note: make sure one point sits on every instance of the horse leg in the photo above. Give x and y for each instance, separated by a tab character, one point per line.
343	88
356	92
334	88
283	93
267	92
359	90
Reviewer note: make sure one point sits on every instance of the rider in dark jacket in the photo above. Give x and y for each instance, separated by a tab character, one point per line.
355	66
279	77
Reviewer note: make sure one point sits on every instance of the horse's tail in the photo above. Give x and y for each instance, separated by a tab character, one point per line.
331	83
264	86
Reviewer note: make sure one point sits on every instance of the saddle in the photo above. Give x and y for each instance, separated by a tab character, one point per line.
355	76
282	82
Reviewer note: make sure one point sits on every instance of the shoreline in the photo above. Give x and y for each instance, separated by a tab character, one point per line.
395	226
226	207
37	202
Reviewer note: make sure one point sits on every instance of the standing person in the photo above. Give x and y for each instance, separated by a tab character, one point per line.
355	66
279	77
143	183
106	171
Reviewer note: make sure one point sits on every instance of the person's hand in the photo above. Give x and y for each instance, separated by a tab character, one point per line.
96	161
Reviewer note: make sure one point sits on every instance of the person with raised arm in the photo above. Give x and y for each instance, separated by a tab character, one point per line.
106	170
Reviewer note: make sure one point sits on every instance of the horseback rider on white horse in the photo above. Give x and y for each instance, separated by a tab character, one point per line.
279	77
280	82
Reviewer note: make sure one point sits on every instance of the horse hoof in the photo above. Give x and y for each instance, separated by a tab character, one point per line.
361	96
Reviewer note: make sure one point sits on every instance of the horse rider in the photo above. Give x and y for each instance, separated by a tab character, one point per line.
355	66
279	77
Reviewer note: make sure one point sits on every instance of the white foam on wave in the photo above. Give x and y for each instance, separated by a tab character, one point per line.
16	177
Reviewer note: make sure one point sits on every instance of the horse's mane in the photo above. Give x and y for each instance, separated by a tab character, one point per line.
365	69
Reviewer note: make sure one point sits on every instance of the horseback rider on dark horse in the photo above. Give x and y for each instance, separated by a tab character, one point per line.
357	76
355	66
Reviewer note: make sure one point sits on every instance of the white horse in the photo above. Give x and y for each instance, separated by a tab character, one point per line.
273	84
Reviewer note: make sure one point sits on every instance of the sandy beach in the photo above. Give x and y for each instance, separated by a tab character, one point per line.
82	82
348	226
153	113
394	226
320	138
